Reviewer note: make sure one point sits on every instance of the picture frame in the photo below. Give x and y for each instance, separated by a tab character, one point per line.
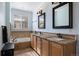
63	16
41	21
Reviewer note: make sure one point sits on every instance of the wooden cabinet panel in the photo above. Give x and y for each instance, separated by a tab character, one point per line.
20	34
34	43
22	45
70	49
56	49
45	47
39	45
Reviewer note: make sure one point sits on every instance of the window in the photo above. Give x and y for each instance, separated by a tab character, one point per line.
17	24
25	22
21	22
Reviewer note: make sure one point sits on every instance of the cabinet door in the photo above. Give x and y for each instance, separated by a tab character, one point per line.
45	47
70	49
56	49
34	42
39	45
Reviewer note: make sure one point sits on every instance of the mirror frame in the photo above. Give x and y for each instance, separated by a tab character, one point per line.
70	4
43	14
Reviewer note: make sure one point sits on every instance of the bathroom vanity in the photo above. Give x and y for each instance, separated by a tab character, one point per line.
47	45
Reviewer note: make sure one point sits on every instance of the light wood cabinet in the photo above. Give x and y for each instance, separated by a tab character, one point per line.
34	43
39	45
45	47
70	49
62	50
56	49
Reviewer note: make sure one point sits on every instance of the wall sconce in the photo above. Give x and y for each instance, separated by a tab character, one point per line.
56	2
39	12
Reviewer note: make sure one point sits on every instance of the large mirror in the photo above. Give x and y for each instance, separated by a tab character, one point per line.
62	15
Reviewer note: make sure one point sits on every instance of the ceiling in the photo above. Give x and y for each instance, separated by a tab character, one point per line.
28	6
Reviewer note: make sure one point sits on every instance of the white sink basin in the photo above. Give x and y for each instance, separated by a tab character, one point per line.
59	39
55	39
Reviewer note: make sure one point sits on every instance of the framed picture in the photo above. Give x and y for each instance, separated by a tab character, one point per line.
63	16
41	21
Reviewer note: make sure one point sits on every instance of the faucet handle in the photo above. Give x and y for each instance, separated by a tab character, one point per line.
59	35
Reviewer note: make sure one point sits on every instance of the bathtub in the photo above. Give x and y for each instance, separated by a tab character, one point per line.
20	40
21	43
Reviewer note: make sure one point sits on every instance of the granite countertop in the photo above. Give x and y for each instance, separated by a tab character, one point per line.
44	36
55	39
61	40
